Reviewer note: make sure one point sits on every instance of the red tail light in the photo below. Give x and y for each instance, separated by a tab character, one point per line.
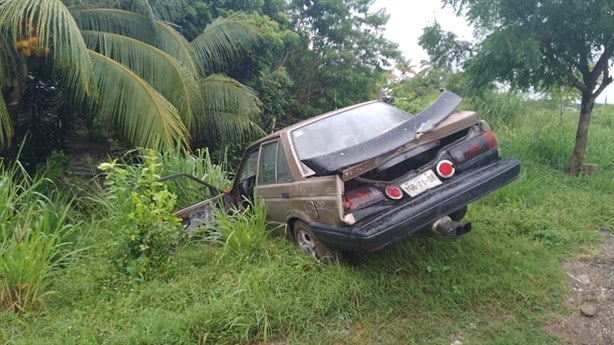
361	197
474	147
394	192
445	168
491	140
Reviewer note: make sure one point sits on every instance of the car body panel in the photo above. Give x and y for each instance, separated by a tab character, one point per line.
397	223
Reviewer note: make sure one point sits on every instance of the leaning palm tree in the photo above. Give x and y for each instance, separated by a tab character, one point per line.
155	88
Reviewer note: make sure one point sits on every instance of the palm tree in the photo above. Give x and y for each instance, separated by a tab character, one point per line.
155	88
406	67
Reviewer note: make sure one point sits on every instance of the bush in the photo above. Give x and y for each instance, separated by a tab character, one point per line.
140	214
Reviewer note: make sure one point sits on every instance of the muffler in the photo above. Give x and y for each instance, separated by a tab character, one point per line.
446	226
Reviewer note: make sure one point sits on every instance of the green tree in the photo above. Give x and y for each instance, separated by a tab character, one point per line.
407	68
541	44
138	73
263	68
416	93
341	55
444	48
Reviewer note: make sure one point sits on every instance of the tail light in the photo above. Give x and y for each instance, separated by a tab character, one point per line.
361	197
445	168
474	147
394	192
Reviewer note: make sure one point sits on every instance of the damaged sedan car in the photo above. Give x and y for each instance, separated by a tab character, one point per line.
364	177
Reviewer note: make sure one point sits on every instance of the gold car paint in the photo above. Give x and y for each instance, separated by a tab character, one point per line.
320	198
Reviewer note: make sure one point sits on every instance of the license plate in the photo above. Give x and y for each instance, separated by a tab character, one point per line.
421	183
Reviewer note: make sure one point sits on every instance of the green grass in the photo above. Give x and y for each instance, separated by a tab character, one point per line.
35	234
496	285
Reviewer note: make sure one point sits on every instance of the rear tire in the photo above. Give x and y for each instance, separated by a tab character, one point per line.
308	243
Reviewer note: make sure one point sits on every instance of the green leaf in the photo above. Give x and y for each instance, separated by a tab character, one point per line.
152	121
230	108
52	24
141	28
165	73
6	127
224	40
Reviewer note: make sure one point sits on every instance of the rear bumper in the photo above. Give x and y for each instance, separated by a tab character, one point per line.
394	224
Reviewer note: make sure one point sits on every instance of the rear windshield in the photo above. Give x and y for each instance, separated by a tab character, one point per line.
346	129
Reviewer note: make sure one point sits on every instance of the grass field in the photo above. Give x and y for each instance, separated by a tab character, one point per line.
496	285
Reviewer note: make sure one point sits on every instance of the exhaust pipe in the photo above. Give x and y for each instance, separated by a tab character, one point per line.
446	226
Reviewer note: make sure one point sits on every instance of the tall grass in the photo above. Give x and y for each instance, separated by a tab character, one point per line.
35	234
498	108
198	165
244	231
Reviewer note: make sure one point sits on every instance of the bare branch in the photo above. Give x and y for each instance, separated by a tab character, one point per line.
607	80
602	64
568	73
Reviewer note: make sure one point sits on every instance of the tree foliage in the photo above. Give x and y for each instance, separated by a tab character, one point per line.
312	56
541	44
138	73
341	56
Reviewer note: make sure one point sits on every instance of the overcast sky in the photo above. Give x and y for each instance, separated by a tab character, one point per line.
409	17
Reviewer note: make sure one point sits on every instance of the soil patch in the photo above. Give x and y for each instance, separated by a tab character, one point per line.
591	297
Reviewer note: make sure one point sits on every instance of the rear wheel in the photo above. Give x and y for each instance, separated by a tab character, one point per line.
308	243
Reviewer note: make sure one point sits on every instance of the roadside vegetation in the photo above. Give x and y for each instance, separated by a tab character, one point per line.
89	260
109	265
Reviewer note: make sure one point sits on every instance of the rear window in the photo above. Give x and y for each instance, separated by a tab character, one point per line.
346	129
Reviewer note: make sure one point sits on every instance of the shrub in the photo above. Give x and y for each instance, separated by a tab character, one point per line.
140	212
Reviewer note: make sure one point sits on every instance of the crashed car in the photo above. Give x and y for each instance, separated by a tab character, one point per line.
364	177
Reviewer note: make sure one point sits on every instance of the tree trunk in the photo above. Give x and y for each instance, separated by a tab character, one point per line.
586	109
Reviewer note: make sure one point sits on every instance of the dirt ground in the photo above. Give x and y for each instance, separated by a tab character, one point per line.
591	298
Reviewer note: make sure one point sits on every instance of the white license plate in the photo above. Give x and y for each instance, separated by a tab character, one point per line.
421	183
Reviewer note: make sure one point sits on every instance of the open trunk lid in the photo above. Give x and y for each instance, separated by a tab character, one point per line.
360	158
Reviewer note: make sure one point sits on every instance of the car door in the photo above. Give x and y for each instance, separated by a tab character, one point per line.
245	181
274	181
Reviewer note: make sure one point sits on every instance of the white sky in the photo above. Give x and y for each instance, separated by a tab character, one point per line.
409	17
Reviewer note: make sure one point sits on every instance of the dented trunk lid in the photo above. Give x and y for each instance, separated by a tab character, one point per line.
435	122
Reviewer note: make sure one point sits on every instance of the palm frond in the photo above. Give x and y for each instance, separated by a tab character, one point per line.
13	68
152	121
162	71
139	27
230	110
224	40
172	42
52	25
6	126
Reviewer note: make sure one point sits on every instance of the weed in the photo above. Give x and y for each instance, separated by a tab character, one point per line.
242	231
497	107
34	240
199	165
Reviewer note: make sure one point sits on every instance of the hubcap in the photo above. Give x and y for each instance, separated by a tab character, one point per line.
306	243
